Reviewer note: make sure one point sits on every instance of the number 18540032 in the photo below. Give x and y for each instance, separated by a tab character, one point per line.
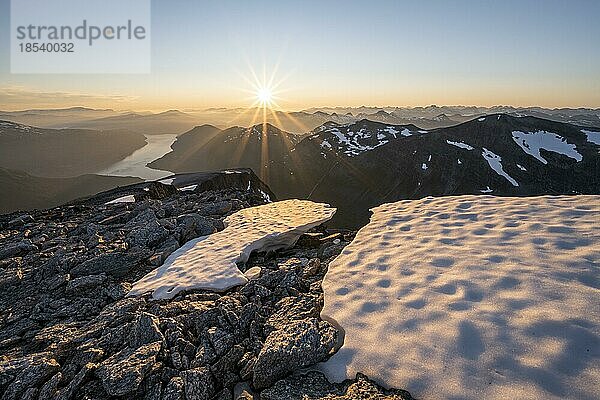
46	47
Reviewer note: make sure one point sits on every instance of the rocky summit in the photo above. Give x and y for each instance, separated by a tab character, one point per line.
69	331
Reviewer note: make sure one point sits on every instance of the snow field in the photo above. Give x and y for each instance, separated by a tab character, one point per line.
209	262
472	297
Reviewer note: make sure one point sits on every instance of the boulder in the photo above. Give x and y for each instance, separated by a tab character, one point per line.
198	384
145	330
85	282
123	372
17	249
148	235
314	385
292	309
193	225
175	389
117	264
34	371
297	345
157	190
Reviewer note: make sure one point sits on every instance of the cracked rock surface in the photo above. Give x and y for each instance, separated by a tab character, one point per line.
67	331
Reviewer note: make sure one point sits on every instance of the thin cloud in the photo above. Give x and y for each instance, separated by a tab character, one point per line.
16	97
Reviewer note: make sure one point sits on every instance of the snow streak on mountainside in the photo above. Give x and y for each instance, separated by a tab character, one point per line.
355	139
472	297
592	136
495	162
532	142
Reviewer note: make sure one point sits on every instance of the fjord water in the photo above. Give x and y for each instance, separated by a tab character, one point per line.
135	164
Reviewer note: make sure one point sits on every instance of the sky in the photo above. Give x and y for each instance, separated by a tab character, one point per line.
341	53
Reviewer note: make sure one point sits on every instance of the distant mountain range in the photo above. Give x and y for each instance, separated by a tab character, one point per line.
578	116
171	121
351	164
298	122
358	165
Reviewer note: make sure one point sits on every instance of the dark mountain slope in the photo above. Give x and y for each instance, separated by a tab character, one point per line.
258	147
479	156
185	148
63	152
21	191
355	166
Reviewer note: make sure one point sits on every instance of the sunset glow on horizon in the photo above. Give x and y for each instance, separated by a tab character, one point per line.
391	53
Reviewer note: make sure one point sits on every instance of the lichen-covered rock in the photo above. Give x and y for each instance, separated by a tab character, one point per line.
86	282
68	391
292	309
194	225
116	264
147	235
175	389
17	249
297	345
49	389
33	373
123	372
198	384
67	331
145	330
314	385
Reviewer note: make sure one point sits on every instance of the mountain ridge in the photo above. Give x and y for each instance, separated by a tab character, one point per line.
358	165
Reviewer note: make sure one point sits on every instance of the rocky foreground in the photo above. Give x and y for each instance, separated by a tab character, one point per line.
68	331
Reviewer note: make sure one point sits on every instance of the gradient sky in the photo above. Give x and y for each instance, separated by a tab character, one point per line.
347	53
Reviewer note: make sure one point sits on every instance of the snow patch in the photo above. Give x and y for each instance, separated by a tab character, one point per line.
325	144
167	181
253	273
125	199
391	131
486	190
532	142
209	262
472	312
462	145
592	137
190	188
424	166
522	168
495	162
353	143
481	119
265	196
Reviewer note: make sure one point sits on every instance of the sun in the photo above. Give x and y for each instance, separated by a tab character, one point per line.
264	95
264	89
